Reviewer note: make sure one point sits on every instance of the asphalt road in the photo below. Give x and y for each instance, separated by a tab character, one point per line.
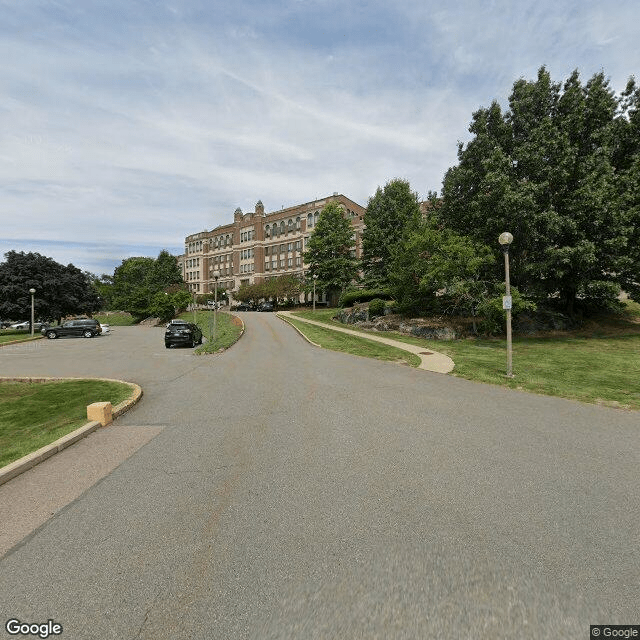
298	493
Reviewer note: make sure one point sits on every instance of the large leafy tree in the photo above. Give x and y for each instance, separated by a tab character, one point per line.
330	252
137	281
547	170
60	290
627	163
389	212
438	270
287	286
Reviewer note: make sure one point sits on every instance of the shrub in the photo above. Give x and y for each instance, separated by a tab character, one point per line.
493	316
376	307
349	298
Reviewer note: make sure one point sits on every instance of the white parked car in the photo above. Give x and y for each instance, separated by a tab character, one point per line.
25	325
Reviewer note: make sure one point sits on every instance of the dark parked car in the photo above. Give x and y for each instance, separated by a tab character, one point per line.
265	306
87	328
181	332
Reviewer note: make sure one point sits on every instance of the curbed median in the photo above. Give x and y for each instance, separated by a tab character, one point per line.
30	460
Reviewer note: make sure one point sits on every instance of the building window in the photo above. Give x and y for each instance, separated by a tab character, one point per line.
298	223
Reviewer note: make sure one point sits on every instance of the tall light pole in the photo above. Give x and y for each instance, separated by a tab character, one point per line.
216	277
505	240
315	277
32	292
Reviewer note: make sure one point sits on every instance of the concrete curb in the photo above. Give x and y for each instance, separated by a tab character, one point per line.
287	320
436	362
25	463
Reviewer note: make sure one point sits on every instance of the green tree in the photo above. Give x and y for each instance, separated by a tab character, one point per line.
546	171
388	214
181	299
627	163
438	270
245	293
104	286
283	287
137	281
330	252
60	290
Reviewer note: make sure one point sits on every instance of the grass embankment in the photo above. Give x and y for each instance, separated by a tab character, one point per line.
228	329
17	335
599	363
34	414
116	319
336	341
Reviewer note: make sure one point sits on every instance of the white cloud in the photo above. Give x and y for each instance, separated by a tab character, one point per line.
154	121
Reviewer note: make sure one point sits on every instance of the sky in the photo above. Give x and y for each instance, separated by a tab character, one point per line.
126	125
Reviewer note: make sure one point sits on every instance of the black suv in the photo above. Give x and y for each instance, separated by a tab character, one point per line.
87	328
182	332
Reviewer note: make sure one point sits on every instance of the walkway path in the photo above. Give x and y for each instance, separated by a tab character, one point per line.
429	360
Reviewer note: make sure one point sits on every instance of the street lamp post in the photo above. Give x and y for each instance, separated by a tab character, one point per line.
216	277
505	240
32	292
315	277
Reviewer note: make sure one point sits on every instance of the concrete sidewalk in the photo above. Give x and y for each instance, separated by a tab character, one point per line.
429	360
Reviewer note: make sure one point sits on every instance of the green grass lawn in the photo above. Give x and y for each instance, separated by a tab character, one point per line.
598	364
115	319
228	329
11	335
336	341
34	414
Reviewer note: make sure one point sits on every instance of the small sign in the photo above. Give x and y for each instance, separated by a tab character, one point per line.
506	302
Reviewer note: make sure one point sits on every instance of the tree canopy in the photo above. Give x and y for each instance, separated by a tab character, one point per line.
389	212
137	281
287	286
439	270
330	252
559	170
60	290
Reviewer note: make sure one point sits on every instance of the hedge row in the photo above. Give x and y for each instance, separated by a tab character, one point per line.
349	298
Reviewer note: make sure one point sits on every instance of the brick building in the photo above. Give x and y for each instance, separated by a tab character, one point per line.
258	245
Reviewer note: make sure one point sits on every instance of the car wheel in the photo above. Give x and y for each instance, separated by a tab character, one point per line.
52	335
88	334
167	345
